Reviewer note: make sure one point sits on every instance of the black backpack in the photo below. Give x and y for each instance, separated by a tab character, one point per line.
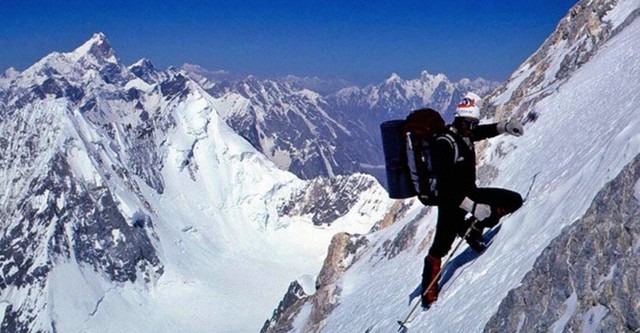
404	143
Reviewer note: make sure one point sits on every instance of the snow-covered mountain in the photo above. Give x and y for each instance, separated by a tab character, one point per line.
129	205
395	97
567	260
323	87
295	128
313	135
205	77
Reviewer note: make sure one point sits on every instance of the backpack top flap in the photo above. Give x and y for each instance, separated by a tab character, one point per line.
424	123
423	127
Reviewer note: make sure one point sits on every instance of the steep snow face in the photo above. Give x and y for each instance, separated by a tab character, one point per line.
585	133
129	204
587	279
294	127
577	38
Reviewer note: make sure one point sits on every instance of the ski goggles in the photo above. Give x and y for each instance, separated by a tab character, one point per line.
470	122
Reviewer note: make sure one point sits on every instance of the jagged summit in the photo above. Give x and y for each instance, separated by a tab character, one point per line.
395	97
145	70
393	78
97	47
144	62
425	75
93	59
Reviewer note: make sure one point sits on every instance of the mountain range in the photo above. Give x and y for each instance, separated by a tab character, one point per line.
314	135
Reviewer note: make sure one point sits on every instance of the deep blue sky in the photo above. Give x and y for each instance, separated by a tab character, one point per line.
362	41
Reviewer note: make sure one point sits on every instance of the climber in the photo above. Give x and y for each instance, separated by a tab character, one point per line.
453	159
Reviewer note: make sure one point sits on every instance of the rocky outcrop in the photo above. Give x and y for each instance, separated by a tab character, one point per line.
396	212
343	252
575	41
404	239
587	279
287	310
327	199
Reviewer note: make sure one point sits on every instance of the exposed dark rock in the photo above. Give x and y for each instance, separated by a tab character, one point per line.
587	279
327	199
288	309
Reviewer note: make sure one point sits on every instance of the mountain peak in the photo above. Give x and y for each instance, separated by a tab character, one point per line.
98	47
98	37
393	78
143	63
10	73
145	70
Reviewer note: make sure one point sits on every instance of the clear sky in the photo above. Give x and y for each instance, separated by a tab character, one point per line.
361	41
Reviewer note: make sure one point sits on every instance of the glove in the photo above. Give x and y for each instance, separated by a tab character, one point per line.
511	127
479	210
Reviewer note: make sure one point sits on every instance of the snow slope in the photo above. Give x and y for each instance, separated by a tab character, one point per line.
586	132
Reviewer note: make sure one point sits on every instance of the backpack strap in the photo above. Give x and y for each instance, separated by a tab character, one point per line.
452	142
415	160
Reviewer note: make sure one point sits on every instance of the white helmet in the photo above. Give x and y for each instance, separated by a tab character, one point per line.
469	106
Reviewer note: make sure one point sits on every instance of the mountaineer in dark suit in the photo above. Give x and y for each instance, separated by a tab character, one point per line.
454	164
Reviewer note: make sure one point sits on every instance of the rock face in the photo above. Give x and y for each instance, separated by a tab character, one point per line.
404	239
588	278
327	199
343	251
287	310
309	311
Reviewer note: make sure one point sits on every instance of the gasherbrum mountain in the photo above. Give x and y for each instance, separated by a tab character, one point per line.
567	260
129	205
313	135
